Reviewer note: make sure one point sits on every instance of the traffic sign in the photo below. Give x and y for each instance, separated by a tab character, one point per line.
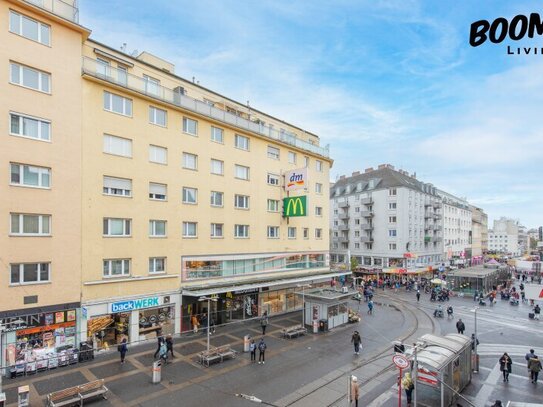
400	361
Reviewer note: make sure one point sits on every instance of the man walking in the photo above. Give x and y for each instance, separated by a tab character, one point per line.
123	348
356	340
370	307
262	351
460	327
535	367
160	339
537	311
264	322
529	356
169	345
418	295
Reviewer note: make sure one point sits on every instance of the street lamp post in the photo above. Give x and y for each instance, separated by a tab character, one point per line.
208	299
476	370
303	301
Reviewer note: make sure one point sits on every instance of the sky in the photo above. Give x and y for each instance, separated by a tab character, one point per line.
380	81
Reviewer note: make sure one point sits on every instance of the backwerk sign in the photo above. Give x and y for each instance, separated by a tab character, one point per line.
296	179
295	206
125	306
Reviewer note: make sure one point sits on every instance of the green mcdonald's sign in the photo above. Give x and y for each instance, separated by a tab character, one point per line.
295	206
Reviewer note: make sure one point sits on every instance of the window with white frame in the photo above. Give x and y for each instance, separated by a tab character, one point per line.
116	267
392	246
30	176
157	116
292	157
117	104
190	161
217	198
157	265
392	219
158	154
392	205
30	273
158	192
242	142
117	145
318	165
318	188
157	228
103	67
273	152
217	230
357	209
318	233
273	205
306	233
190	229
190	195
31	127
29	28
273	232
117	227
392	192
291	232
241	172
357	221
306	161
117	186
217	167
217	134
190	126
392	232
356	233
241	231
241	201
273	179
318	210
30	78
30	224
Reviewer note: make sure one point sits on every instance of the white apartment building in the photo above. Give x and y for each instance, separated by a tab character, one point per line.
457	222
503	237
385	218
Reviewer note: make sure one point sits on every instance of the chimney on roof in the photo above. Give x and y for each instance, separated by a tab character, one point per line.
370	169
356	173
382	166
342	177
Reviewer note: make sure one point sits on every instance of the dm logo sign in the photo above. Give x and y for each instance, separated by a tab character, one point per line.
296	179
295	206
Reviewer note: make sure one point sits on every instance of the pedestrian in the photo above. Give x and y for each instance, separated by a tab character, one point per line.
160	339
252	348
474	341
123	348
534	365
357	341
505	366
529	356
163	354
355	391
408	386
262	351
497	403
370	307
460	327
537	311
264	322
195	323
211	325
418	295
169	345
204	323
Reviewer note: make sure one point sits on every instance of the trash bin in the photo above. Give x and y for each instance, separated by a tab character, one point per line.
246	343
323	325
157	371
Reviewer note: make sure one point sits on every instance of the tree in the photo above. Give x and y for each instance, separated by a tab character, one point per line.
354	263
533	243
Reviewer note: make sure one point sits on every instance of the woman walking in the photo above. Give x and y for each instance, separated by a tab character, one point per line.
505	366
252	348
408	386
264	322
355	391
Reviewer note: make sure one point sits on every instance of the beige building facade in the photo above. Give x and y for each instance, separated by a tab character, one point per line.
479	227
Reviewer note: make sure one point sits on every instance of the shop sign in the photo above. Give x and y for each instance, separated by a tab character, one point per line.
296	179
295	206
130	305
247	291
36	320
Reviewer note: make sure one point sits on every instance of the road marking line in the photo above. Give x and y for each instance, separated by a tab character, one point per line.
488	387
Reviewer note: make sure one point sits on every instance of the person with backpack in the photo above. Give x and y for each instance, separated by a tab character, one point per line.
408	386
163	354
123	348
534	365
252	348
370	307
537	311
264	322
528	356
357	341
262	351
160	339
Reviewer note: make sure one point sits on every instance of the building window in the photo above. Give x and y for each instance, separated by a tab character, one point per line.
216	198
157	228
190	229
392	192
26	126
273	153
190	161
318	233
117	145
152	85
241	201
392	246
190	195
273	205
217	167
157	265
117	104
292	157
190	126
357	245
318	211
30	78
30	273
117	186
306	233
392	219
242	172
241	231
157	116
31	225
242	142
29	28
306	161
318	166
157	192
392	232
217	230
273	179
217	135
116	267
273	232
318	188
158	154
291	232
357	221
357	209
392	205
30	176
117	227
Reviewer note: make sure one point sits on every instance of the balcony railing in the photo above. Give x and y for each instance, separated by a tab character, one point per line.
66	10
178	98
366	214
366	201
344	216
343	239
366	239
343	227
343	204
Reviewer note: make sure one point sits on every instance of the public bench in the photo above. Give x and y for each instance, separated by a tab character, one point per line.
77	394
294	331
216	355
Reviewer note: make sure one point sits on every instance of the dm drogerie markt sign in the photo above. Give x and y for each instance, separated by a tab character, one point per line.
295	206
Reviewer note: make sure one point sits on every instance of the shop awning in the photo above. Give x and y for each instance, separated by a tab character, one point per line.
202	291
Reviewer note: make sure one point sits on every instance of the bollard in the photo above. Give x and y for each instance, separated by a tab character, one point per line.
246	343
157	371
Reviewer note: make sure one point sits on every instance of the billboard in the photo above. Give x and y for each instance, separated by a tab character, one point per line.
296	179
295	206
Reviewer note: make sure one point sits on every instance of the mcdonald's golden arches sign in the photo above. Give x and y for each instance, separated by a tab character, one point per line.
295	206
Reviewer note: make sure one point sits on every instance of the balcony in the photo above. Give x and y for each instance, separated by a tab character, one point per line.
366	214
437	228
343	228
64	9
366	201
366	239
436	239
428	227
344	216
343	239
177	98
366	226
437	216
428	215
427	239
343	204
436	205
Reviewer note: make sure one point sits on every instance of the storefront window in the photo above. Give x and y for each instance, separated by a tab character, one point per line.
333	311
155	321
108	330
